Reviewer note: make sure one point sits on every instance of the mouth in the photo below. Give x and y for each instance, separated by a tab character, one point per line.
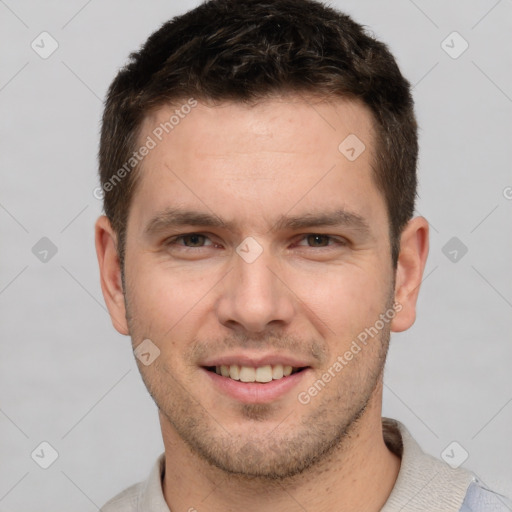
256	378
261	374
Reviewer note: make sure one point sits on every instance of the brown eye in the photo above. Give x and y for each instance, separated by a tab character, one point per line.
190	240
194	240
318	240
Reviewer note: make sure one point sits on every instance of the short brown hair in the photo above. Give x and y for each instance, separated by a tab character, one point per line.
248	50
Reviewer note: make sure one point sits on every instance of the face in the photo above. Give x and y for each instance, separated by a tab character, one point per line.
255	248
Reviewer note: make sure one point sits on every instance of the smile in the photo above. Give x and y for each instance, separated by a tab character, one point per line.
261	374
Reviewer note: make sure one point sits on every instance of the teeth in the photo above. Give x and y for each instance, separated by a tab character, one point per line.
248	374
264	374
277	371
234	372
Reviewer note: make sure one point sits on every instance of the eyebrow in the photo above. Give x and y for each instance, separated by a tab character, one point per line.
334	218
175	217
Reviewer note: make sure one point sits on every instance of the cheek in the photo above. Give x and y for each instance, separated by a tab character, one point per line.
165	301
344	300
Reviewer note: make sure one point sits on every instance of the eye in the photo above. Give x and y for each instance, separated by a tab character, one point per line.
320	240
191	240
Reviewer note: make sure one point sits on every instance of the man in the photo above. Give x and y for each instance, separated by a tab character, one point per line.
258	160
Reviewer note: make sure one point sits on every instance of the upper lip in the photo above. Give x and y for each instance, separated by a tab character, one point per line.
255	361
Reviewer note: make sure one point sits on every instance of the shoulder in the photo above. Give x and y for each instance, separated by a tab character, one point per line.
147	495
426	483
480	499
125	501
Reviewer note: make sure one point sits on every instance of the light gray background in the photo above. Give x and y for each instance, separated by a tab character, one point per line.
68	378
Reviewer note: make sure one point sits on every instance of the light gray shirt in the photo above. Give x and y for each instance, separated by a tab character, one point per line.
424	484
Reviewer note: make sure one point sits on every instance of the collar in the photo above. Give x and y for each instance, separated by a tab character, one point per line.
151	495
424	483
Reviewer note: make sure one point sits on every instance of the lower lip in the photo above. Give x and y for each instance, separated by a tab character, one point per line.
256	392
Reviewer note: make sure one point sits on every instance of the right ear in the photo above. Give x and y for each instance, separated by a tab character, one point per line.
110	273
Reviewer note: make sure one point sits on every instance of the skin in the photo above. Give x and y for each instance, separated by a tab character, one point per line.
304	297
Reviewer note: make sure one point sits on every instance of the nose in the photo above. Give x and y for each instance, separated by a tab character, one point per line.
254	297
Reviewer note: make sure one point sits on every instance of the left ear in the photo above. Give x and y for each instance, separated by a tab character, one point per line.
409	273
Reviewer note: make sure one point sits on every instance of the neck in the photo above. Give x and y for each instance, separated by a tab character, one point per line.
339	482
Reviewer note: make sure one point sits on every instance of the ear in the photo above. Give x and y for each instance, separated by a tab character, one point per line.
110	273
409	273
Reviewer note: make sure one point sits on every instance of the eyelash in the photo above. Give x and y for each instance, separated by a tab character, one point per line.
175	239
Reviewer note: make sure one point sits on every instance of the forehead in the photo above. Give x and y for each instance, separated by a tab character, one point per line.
283	123
278	154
